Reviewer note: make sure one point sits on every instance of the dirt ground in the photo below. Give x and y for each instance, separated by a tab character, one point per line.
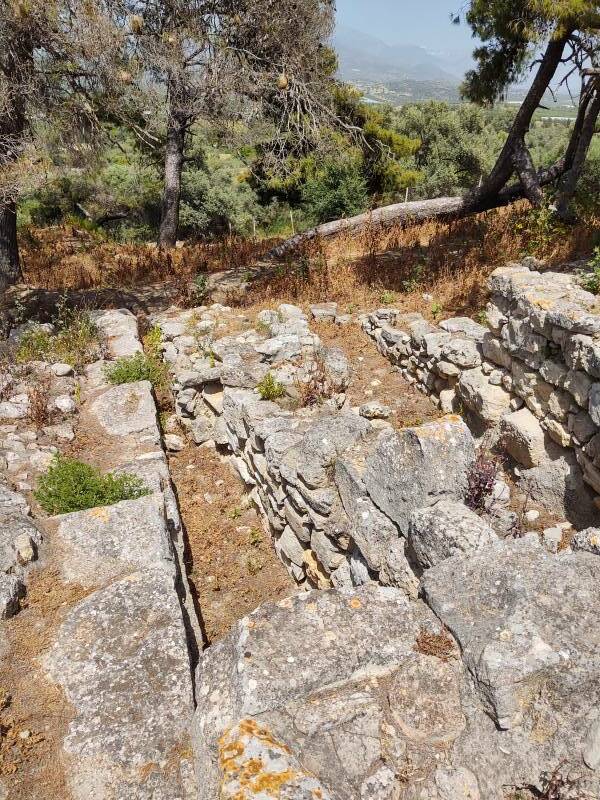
374	378
233	566
34	714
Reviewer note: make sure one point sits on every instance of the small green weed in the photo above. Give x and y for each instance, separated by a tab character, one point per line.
262	327
235	513
482	318
255	537
436	309
199	288
152	342
387	298
590	281
71	485
270	388
139	367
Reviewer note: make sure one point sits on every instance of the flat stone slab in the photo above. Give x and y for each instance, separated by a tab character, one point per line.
121	658
526	622
126	409
120	332
324	673
105	543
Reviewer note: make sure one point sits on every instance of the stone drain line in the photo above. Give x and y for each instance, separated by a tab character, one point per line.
125	654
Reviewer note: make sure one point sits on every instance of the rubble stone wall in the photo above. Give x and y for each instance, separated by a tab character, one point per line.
337	489
531	373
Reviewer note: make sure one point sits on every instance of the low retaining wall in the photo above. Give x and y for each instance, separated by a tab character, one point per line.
532	374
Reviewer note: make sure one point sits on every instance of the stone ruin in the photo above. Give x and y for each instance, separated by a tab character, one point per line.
429	652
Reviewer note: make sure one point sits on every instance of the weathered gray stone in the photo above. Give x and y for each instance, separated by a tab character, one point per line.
557	485
324	672
126	409
579	385
121	658
462	352
119	331
105	543
324	312
288	544
534	658
374	410
415	467
523	438
487	401
588	539
444	530
466	326
11	590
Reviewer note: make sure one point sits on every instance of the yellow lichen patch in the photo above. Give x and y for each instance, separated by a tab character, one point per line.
355	603
272	782
100	513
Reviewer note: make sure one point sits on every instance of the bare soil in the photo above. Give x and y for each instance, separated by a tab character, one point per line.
232	563
34	714
374	378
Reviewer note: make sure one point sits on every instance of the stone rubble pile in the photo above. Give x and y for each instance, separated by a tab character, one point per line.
532	373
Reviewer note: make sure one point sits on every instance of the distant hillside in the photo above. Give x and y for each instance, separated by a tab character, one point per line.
394	73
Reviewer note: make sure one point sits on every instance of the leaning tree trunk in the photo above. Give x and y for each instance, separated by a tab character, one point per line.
10	267
568	184
174	159
514	148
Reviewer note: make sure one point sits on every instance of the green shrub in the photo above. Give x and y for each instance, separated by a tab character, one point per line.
199	288
270	388
70	485
75	341
590	281
139	367
387	298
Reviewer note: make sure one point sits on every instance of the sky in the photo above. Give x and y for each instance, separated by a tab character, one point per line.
405	22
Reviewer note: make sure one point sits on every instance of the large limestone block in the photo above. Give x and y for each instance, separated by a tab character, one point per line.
524	438
489	402
326	673
119	330
121	658
126	409
415	467
447	529
105	543
525	622
376	537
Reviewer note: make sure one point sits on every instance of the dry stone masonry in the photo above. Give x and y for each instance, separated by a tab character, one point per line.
531	374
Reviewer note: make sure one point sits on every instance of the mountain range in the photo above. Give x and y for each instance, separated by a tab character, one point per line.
368	58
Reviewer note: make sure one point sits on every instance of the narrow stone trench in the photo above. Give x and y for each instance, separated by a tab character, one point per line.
231	564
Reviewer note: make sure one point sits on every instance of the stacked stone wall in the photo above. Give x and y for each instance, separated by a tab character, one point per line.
531	373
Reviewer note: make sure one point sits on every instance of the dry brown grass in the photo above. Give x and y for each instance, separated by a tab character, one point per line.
361	269
397	265
64	257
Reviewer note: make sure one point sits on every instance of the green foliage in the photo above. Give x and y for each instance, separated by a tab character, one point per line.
542	228
152	341
200	288
437	309
75	341
270	388
591	280
139	367
71	485
337	189
387	298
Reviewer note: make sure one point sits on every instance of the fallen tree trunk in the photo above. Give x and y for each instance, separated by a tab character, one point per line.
439	208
